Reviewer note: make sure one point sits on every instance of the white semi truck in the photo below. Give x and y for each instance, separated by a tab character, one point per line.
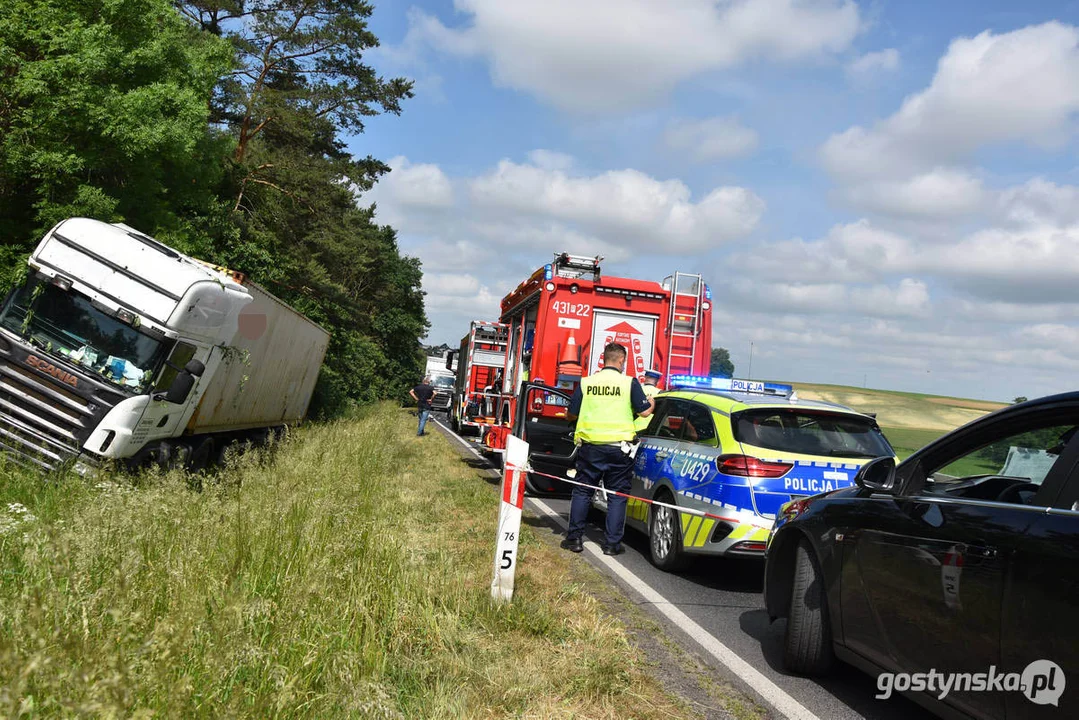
118	347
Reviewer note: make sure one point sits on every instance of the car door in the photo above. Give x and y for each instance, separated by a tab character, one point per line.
542	422
1038	627
924	572
652	453
660	442
693	470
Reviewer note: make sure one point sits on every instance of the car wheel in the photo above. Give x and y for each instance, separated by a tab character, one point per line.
665	535
808	646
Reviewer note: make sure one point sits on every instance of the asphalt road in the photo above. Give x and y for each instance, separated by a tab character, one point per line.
724	598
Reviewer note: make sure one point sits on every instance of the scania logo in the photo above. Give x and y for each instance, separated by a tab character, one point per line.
50	369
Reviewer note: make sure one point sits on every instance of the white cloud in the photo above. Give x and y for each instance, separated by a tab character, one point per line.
478	236
603	55
992	88
1040	202
1030	265
718	138
551	160
908	298
626	205
857	252
422	184
873	63
939	193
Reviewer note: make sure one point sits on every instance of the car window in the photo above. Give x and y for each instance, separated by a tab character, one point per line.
810	432
1008	469
655	418
668	418
698	426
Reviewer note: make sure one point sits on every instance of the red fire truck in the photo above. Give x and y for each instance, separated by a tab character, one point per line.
479	365
558	322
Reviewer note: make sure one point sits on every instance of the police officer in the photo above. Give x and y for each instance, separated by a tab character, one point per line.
605	405
651	377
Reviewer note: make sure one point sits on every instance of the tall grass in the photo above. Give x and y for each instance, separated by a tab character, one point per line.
345	575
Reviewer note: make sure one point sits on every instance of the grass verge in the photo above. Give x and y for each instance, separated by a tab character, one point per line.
346	575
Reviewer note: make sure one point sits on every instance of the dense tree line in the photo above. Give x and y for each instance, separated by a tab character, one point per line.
217	126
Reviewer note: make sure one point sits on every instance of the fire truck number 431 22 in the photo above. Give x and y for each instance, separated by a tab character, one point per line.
563	307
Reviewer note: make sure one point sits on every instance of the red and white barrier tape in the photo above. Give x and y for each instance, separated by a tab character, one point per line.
605	491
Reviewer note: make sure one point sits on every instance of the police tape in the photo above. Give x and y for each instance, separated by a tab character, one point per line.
605	491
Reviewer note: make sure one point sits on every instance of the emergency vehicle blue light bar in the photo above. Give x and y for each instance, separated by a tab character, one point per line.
548	271
705	382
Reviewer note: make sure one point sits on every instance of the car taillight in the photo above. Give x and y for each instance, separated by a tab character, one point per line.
746	466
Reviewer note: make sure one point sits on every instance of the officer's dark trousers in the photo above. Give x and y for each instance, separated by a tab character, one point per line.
609	464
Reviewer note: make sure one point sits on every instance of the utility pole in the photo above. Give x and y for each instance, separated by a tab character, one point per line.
750	375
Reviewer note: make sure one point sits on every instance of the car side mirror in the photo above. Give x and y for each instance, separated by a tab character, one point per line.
180	387
194	367
877	475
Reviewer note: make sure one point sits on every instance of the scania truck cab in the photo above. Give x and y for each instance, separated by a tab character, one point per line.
114	339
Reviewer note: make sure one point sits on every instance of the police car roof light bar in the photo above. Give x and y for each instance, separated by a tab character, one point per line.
754	387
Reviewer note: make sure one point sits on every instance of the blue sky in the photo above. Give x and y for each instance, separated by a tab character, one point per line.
880	192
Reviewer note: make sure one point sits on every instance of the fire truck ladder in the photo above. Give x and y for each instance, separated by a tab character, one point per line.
685	321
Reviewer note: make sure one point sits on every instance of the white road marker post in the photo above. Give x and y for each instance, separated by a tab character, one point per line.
509	518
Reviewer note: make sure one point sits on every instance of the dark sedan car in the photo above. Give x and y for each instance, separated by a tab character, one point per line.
954	577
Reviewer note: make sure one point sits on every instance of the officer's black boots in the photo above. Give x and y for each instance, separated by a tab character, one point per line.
573	545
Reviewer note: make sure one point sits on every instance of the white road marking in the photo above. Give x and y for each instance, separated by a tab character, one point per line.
772	693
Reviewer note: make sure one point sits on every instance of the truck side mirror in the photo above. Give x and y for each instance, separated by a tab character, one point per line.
194	367
877	475
449	359
180	387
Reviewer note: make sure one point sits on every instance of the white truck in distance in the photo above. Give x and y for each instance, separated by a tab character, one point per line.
119	347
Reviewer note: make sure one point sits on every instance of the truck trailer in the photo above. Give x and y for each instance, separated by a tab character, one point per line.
118	347
560	319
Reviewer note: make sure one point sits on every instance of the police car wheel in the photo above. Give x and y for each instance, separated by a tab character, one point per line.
665	535
808	644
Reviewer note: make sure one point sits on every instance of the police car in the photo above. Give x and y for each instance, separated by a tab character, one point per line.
736	450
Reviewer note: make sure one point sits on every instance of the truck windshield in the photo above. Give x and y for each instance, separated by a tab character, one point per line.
66	324
443	381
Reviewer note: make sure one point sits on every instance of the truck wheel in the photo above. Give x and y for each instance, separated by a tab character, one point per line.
808	646
665	535
200	456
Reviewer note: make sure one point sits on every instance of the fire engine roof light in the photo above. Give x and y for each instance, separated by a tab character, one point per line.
754	387
576	266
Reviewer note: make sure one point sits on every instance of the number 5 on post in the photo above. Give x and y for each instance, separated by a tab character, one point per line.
509	519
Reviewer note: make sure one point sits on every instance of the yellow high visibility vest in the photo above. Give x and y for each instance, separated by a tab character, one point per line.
606	411
642	422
